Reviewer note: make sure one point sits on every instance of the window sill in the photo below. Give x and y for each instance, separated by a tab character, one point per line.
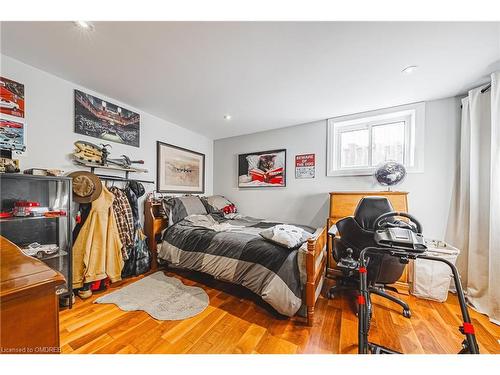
364	172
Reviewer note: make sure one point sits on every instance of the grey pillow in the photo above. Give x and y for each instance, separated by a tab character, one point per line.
219	204
288	236
176	209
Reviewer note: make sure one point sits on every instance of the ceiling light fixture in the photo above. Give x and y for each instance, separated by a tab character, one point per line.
410	69
227	117
84	25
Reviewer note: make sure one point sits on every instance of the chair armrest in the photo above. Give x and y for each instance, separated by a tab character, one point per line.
333	231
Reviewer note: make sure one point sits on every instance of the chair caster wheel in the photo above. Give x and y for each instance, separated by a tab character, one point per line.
407	314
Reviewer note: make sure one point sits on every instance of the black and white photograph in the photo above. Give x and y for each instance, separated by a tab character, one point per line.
101	119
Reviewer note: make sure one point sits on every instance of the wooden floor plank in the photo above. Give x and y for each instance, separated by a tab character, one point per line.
94	345
249	340
230	330
69	336
236	321
129	349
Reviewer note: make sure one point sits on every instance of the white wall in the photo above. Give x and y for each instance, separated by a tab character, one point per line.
306	201
50	136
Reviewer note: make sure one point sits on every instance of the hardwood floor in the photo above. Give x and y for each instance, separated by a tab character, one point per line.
237	321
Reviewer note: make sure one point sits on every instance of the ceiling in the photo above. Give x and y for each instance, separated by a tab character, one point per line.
266	75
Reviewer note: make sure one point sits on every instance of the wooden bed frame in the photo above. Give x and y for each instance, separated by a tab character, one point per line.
154	223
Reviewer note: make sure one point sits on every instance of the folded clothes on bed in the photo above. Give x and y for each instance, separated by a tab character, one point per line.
209	222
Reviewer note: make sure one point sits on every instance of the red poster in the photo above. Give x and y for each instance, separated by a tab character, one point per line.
11	97
305	166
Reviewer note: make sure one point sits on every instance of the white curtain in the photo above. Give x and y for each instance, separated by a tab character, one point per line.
474	223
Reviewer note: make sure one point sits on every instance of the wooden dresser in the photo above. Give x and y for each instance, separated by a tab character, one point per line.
344	204
29	306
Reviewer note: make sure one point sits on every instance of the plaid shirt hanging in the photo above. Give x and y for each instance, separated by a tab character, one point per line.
124	219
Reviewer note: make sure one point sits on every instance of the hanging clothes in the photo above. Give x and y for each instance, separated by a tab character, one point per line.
124	220
97	249
84	209
134	205
139	261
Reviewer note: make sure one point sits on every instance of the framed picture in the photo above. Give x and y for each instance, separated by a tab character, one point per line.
101	119
179	170
11	97
305	166
262	169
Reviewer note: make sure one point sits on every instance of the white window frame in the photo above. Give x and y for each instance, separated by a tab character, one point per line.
413	115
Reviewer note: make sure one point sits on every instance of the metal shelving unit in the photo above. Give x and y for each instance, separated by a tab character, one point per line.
20	218
52	192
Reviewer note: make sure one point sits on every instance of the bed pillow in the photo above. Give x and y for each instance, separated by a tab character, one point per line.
218	203
288	236
177	208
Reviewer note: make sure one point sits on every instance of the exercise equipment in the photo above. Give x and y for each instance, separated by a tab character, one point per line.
403	240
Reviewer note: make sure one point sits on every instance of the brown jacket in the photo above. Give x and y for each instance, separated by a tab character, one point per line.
97	249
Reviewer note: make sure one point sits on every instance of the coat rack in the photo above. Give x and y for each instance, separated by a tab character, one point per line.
116	178
124	179
93	166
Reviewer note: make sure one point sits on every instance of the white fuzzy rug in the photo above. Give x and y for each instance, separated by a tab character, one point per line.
162	297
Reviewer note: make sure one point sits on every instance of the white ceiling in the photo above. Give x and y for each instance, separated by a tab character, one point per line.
266	75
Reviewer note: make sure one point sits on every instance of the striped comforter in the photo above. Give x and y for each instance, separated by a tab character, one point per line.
233	250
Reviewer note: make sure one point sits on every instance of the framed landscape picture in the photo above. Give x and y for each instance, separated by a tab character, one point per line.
179	170
262	169
101	119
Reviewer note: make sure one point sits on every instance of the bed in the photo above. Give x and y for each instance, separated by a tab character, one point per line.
229	247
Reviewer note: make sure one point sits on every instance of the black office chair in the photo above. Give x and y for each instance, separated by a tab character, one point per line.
352	236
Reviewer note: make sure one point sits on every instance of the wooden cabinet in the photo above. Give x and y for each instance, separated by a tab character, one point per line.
344	204
29	306
154	222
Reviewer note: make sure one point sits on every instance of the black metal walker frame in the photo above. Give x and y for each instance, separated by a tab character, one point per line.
469	345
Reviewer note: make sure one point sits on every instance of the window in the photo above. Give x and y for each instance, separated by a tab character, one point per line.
357	144
354	148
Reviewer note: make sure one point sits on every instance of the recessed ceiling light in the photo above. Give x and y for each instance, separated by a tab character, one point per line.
227	117
410	69
85	25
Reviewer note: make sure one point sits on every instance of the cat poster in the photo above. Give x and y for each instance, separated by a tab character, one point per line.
262	169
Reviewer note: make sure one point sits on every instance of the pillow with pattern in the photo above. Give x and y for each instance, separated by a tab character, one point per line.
285	235
177	208
219	204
